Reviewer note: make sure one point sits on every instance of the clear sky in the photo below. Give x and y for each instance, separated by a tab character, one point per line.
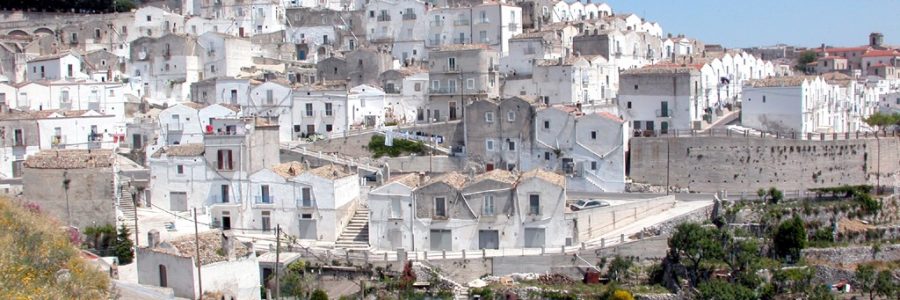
745	23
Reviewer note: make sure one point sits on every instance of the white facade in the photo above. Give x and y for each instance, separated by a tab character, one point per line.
78	130
151	21
402	22
223	55
490	24
792	105
55	67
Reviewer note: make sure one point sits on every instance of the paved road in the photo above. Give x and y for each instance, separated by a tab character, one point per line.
639	196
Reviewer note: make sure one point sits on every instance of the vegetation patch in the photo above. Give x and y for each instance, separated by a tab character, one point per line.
400	147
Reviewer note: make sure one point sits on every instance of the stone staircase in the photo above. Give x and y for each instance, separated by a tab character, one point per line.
356	235
126	205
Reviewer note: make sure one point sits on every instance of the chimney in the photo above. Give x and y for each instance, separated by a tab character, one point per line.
227	243
153	238
471	173
422	178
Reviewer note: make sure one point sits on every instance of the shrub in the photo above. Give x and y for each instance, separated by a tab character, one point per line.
400	147
789	238
319	294
124	245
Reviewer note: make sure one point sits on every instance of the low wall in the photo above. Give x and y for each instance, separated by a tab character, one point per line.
851	255
745	164
437	164
593	223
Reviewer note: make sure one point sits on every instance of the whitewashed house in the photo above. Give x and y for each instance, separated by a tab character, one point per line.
77	129
491	24
222	90
152	21
65	65
791	104
163	69
223	55
402	23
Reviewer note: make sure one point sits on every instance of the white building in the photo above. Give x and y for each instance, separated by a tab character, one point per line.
78	129
163	69
402	23
152	21
792	104
66	65
223	55
490	24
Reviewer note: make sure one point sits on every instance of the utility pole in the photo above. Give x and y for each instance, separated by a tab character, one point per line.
277	260
66	182
197	250
136	242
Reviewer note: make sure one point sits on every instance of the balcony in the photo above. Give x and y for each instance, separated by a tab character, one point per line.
304	203
443	90
19	142
436	23
262	199
391	90
175	127
484	21
217	201
461	22
384	18
408	17
434	42
663	113
460	41
513	26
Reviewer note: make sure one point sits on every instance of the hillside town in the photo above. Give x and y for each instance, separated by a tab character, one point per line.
447	149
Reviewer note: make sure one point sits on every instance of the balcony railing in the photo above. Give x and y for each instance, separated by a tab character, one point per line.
384	18
461	22
175	127
436	23
460	41
95	137
308	203
663	113
408	17
513	26
434	42
260	199
484	21
443	90
217	200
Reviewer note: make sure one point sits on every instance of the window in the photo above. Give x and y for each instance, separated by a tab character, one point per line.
225	197
511	116
482	36
452	85
546	124
534	204
593	135
637	125
328	128
435	85
593	165
440	207
489	117
19	137
265	197
306	197
451	63
764	99
488	205
635	87
628	105
546	155
270	97
149	18
179	169
489	145
224	159
470	84
309	109
511	145
328	110
417	87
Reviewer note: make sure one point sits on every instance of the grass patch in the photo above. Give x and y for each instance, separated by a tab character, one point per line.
400	147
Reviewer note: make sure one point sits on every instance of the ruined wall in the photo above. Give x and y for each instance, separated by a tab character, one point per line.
746	164
91	198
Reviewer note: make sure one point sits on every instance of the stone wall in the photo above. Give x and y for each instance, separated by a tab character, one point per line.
746	164
356	145
91	200
852	255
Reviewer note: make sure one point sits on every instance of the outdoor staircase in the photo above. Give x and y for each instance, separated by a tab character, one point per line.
126	205
356	234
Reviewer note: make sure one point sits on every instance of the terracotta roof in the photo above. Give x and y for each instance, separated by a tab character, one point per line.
778	81
330	172
71	159
194	105
880	53
832	58
550	177
192	149
410	180
453	179
210	247
844	49
289	169
232	107
609	116
498	175
51	56
664	68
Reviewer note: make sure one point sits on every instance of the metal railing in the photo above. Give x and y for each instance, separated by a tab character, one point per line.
663	113
436	23
384	18
301	203
443	90
175	127
407	17
461	22
434	42
484	20
460	41
262	199
513	26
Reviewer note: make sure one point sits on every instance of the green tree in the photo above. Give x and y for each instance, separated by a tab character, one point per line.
789	238
618	269
821	292
742	257
805	58
722	290
881	120
124	246
865	278
885	285
319	294
775	195
124	5
692	244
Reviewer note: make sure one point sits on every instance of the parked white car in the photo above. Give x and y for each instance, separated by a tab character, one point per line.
587	204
